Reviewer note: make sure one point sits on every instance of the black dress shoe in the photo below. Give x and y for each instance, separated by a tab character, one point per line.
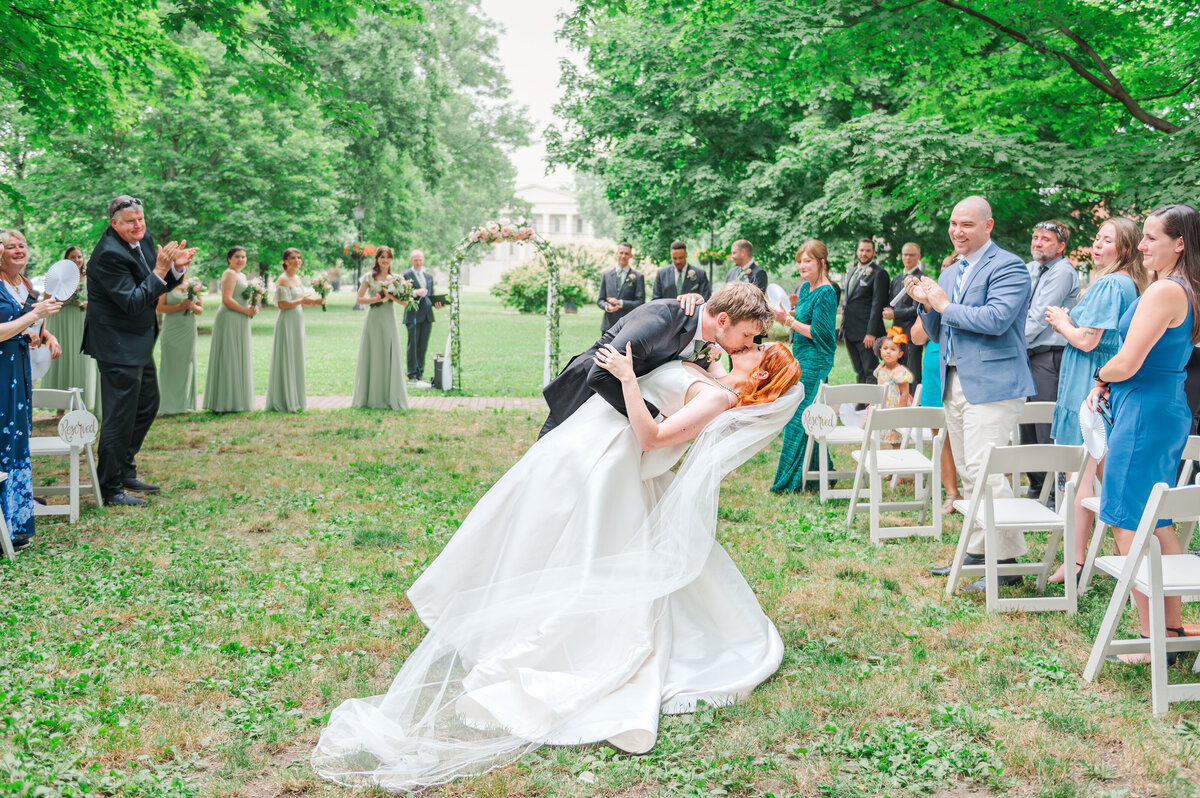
123	499
20	543
139	486
970	559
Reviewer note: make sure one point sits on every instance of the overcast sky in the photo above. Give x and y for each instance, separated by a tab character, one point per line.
529	55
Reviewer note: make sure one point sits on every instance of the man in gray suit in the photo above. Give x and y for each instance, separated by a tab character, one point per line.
621	289
976	312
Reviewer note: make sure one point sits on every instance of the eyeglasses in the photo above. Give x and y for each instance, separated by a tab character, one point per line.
129	203
1052	227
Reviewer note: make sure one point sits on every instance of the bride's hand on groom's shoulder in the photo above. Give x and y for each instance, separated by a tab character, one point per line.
617	364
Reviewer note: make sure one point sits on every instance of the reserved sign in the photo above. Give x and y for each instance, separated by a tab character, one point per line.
78	428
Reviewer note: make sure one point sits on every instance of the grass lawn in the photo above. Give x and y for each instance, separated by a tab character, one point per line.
502	349
193	648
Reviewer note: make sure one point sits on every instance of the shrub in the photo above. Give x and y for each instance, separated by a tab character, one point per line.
523	287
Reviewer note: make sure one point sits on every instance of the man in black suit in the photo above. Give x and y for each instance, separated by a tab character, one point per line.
418	316
126	275
661	331
903	313
679	277
745	270
866	292
621	288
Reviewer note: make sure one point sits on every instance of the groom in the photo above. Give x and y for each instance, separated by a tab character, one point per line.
660	332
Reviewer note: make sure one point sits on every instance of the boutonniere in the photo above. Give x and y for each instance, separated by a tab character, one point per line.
747	269
691	273
631	277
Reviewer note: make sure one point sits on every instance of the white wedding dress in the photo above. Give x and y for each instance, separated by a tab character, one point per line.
582	596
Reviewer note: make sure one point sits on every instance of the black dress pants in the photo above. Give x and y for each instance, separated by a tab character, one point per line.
863	361
418	345
1045	365
129	396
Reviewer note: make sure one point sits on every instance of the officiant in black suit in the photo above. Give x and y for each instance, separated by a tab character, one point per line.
126	275
679	277
745	268
661	331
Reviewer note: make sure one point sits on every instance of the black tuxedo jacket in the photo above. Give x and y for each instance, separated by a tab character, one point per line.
659	331
420	309
695	280
906	308
866	297
756	276
121	324
632	295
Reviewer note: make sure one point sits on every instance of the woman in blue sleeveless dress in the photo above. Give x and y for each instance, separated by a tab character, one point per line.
1144	385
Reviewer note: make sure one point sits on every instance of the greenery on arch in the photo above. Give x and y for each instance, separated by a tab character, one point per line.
496	233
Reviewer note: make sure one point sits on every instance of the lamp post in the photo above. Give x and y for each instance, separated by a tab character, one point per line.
359	213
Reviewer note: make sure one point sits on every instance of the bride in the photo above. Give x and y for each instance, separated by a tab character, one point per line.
584	594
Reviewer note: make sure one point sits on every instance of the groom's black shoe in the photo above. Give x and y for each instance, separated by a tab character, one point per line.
135	484
970	559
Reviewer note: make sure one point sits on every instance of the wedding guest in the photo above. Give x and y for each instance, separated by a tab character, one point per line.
814	342
1143	386
418	316
379	377
285	379
931	396
866	292
904	312
119	330
1091	330
745	269
229	387
177	351
977	310
895	378
335	276
1055	283
72	369
679	277
17	313
622	288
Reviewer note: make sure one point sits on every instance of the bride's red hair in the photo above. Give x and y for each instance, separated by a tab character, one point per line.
778	371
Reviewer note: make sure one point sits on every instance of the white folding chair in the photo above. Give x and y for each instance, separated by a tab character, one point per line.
1031	413
1020	515
53	446
841	435
913	437
876	463
1185	527
5	539
1146	569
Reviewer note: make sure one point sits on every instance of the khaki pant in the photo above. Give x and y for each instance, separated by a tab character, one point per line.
971	427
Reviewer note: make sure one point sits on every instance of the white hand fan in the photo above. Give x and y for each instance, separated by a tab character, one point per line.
62	278
1094	429
778	298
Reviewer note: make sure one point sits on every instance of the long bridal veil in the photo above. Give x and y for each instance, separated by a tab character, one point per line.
510	664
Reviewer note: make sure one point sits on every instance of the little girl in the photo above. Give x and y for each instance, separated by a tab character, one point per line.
894	377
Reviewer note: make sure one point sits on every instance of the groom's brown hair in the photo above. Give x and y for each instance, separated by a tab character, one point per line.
743	302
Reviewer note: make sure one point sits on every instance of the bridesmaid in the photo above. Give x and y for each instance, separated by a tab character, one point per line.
379	378
285	384
72	369
814	342
177	355
230	384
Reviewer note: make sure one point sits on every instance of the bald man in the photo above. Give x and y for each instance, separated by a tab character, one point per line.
976	312
418	316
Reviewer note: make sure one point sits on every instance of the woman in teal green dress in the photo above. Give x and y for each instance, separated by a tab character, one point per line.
177	351
72	369
229	387
814	342
285	381
379	378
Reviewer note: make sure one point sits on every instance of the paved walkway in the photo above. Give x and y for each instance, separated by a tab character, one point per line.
432	402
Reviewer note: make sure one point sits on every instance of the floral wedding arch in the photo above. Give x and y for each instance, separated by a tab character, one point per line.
496	233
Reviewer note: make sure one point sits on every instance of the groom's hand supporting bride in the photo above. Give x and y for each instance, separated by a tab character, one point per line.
689	303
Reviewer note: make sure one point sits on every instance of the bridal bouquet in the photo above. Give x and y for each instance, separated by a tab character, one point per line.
401	289
257	293
322	287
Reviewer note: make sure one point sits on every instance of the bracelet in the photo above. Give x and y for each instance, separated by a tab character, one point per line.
1099	381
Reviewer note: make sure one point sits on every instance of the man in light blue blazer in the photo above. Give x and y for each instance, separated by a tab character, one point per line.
976	312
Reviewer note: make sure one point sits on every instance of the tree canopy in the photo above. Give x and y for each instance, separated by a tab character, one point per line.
779	121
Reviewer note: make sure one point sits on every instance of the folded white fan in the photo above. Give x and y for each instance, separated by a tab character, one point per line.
1094	429
62	278
39	360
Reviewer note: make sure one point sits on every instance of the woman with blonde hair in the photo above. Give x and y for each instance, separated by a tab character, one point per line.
1091	330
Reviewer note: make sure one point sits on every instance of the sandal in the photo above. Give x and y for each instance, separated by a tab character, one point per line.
1171	655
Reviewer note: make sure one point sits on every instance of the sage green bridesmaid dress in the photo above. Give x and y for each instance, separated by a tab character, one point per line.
177	360
379	378
72	369
229	387
285	384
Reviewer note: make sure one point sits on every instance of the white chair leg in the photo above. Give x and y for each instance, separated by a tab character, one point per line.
876	492
823	469
1108	628
91	463
74	488
991	573
1048	559
960	552
856	489
1158	632
1093	551
1069	544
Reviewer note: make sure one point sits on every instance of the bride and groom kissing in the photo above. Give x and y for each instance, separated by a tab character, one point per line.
585	593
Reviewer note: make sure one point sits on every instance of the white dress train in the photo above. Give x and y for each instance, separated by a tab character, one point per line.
582	596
